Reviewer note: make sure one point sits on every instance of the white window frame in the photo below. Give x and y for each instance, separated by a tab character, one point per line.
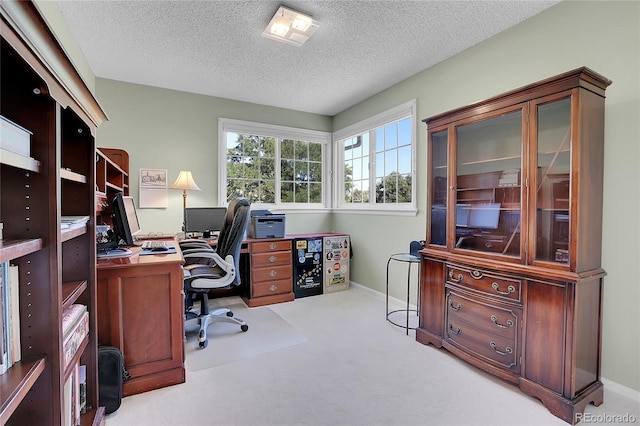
369	125
226	125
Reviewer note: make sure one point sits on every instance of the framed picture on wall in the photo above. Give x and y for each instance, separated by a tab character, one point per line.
153	189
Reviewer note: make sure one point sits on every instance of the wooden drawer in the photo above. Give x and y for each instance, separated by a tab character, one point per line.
492	318
272	287
271	274
271	259
271	246
485	282
491	347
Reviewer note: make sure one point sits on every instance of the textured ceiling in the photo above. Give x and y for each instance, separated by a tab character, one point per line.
216	48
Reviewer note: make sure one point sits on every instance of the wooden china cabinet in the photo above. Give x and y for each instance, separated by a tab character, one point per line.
511	277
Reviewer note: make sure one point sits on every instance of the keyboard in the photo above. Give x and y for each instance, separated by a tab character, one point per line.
154	245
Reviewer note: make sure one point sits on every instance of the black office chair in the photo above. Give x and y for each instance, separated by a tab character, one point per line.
222	270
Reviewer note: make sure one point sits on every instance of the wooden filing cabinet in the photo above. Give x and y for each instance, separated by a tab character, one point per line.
268	272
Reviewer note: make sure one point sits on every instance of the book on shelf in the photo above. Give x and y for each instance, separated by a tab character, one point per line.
71	397
3	329
72	222
82	378
15	349
73	340
70	317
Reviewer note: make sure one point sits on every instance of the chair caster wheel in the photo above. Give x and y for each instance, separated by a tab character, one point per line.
244	327
203	345
229	314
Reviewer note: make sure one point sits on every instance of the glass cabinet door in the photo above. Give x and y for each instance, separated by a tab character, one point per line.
553	181
439	156
488	184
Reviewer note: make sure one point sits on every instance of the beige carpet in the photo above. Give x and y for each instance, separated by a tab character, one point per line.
267	332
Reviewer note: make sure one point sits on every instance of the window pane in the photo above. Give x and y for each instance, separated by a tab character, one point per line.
365	190
404	132
356	149
286	149
301	151
390	162
315	152
390	136
315	192
357	169
286	192
380	164
315	172
286	170
356	192
404	160
404	188
379	139
301	193
267	168
269	147
365	144
267	191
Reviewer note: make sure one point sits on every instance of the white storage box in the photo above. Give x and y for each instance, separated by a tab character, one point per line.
14	138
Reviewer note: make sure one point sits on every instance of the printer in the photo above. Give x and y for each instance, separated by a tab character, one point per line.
264	224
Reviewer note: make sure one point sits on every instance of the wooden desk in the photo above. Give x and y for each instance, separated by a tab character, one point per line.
141	311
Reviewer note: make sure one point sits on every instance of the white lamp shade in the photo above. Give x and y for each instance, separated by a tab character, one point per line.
185	181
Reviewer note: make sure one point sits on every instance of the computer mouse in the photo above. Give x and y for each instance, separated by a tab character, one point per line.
160	249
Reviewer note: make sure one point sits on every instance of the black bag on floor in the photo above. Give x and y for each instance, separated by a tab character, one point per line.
111	375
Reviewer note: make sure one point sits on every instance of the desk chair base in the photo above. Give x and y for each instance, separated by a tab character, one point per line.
219	315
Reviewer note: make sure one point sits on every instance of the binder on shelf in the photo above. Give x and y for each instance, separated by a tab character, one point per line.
14	137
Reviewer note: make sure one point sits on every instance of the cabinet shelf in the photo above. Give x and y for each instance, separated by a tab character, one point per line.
71	233
13	249
16	382
19	161
71	290
72	176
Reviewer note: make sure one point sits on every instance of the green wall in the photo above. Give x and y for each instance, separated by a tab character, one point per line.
605	36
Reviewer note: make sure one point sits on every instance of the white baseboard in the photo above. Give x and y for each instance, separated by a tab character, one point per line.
393	301
609	385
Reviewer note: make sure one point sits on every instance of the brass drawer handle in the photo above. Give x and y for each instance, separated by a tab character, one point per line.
457	330
476	274
496	287
272	246
272	273
455	280
507	350
455	308
495	321
272	259
273	287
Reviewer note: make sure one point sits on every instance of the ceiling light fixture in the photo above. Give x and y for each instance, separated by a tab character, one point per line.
290	26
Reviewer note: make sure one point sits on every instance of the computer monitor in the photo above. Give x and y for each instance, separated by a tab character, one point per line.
125	219
204	219
484	216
